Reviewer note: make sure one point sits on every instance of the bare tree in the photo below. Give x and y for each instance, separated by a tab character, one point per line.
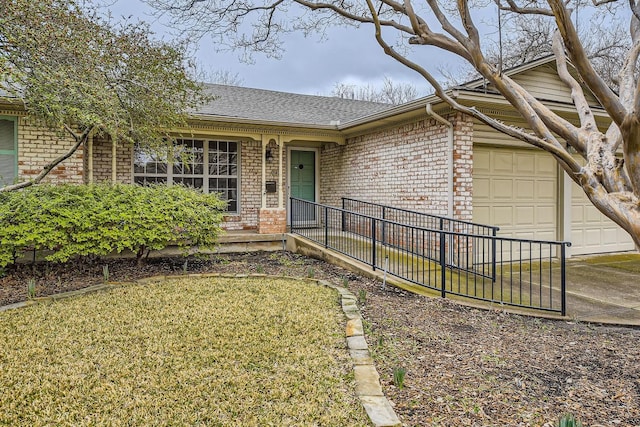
222	77
390	93
526	38
611	183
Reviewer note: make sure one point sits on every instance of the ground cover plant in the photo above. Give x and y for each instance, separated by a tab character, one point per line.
189	351
461	366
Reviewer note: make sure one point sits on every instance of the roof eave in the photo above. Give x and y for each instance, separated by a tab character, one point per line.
398	110
271	123
470	97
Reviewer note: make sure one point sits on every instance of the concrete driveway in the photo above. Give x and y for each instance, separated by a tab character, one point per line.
604	288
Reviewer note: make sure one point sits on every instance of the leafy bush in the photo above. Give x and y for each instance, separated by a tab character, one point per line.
80	220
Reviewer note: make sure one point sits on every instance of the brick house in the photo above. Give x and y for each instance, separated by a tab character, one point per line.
258	147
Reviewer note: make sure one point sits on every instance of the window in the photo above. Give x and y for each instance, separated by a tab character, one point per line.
8	151
208	165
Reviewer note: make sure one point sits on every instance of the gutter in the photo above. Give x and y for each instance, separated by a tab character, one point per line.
449	125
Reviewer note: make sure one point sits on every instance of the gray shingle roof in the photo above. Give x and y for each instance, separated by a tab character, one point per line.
266	105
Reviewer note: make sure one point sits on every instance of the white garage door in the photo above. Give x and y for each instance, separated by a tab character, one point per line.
515	190
591	231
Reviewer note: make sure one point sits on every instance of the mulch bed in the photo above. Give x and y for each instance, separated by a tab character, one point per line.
464	366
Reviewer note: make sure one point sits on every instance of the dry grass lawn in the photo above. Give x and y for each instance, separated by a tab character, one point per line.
206	351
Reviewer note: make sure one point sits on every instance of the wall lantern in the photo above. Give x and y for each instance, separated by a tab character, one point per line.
268	155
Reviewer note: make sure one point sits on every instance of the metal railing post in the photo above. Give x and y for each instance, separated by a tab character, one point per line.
563	280
293	214
384	226
373	243
344	218
443	271
493	257
326	226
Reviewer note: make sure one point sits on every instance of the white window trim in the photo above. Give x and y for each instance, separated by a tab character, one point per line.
13	152
205	176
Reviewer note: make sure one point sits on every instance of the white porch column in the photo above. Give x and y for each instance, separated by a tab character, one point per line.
263	191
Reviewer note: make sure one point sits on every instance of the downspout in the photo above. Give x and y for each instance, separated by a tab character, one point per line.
447	123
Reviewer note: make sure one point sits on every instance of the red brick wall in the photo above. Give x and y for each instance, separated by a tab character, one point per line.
272	221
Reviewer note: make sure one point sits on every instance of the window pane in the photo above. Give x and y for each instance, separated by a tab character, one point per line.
7	134
7	169
222	168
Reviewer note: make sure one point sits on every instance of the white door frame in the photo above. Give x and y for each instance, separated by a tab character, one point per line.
316	178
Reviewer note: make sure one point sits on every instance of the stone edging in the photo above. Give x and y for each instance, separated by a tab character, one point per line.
368	388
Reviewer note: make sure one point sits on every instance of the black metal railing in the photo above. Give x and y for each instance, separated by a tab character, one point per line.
417	219
482	253
516	272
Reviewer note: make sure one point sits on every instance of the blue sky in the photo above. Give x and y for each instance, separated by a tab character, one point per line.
308	65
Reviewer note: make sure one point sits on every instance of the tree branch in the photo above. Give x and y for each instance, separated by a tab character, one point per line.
48	168
513	7
567	162
608	99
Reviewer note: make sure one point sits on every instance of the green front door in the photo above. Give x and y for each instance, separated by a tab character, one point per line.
302	176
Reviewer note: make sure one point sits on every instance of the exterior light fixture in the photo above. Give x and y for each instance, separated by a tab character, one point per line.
268	155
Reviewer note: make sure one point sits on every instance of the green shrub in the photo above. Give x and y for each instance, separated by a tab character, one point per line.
79	220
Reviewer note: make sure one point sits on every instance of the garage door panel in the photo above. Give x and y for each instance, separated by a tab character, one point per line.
545	165
481	162
577	214
546	215
502	188
577	239
502	216
546	235
594	216
501	163
483	186
482	215
524	216
545	190
525	164
525	189
609	236
520	200
591	231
